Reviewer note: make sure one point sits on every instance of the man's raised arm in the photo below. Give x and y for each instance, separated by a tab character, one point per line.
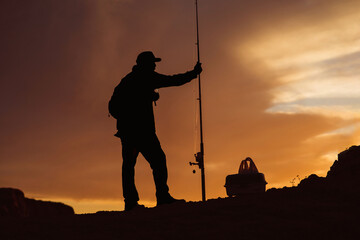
161	80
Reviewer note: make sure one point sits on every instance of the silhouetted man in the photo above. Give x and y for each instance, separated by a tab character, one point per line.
132	106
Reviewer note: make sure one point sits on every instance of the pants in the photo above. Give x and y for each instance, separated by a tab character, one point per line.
149	146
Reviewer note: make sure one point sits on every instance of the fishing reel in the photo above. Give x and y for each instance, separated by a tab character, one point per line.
199	161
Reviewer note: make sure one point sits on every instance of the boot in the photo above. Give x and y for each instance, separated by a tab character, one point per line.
133	205
168	200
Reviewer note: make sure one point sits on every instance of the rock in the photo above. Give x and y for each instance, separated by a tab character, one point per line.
14	203
344	174
312	182
347	165
342	179
47	208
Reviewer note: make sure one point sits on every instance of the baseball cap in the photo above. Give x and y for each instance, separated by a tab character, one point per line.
146	57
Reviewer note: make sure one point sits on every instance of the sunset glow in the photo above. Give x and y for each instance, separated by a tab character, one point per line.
280	85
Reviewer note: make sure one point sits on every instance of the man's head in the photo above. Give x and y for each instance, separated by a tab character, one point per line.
146	60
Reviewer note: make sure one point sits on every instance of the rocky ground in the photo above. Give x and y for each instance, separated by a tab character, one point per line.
319	208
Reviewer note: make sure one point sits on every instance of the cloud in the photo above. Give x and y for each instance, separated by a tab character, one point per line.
316	65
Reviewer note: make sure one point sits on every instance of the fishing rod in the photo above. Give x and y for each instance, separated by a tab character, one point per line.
199	157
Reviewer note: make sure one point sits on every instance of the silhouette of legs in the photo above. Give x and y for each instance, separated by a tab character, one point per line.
150	148
153	153
129	154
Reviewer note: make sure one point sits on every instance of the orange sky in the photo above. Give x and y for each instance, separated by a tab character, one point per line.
280	84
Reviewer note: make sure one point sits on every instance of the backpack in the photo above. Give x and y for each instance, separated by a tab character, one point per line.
115	104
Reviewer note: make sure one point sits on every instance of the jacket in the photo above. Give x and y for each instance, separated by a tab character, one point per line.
136	93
